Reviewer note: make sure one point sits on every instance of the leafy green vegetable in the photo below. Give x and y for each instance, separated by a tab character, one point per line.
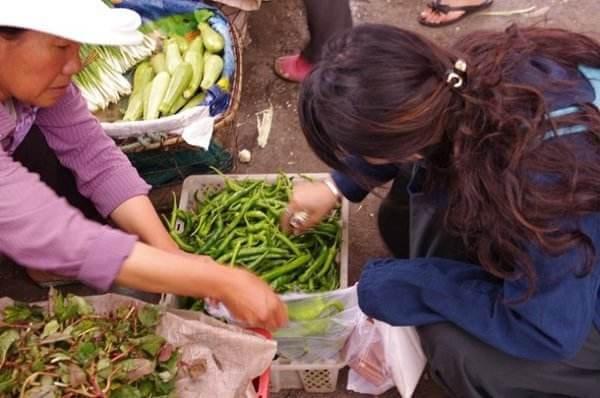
151	344
21	312
127	392
85	352
8	380
7	338
203	15
73	352
149	315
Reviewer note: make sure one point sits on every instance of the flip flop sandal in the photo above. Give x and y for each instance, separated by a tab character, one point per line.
436	6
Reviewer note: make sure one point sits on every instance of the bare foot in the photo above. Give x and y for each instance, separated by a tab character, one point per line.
435	17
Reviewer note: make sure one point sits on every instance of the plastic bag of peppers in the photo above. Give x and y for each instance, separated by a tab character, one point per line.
239	225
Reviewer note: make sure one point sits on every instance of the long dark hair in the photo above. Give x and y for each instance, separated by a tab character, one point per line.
381	92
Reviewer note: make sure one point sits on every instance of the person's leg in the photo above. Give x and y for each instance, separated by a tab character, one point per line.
325	18
35	154
467	367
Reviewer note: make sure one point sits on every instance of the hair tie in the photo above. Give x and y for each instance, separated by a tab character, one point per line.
457	76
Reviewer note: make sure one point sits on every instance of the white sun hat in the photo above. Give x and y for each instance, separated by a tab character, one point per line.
83	21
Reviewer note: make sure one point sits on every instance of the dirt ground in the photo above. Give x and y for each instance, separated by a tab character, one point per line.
279	27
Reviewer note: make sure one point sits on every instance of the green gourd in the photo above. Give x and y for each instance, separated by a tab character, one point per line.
213	66
195	59
213	42
178	83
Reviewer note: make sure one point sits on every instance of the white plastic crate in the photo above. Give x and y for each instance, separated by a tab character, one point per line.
316	378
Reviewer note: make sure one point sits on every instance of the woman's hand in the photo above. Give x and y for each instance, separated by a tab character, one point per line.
252	301
313	200
248	298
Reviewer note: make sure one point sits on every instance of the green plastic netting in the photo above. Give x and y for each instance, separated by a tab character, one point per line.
159	167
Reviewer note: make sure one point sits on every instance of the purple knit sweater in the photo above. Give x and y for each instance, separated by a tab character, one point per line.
41	230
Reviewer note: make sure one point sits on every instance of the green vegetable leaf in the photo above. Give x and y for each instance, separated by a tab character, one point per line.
146	387
149	315
171	364
136	368
126	392
150	344
50	328
21	312
8	381
164	387
86	352
63	309
84	327
38	365
203	15
7	338
82	306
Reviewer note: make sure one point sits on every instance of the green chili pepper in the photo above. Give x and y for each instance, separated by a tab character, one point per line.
173	218
315	265
288	267
182	245
225	242
237	195
315	308
255	263
332	251
287	242
236	250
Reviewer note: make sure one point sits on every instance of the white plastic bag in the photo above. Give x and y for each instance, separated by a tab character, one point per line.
404	356
364	354
319	324
381	356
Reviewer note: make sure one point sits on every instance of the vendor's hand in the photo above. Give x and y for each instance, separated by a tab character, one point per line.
252	301
310	202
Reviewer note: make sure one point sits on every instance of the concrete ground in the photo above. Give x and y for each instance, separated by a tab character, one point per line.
279	27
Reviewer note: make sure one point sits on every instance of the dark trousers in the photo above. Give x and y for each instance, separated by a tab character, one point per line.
461	363
325	19
35	154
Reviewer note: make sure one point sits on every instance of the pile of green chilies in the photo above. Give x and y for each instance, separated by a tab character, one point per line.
239	225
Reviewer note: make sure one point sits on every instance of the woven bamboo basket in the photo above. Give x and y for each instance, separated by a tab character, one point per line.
222	123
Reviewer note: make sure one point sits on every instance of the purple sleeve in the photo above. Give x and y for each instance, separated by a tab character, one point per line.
103	173
41	230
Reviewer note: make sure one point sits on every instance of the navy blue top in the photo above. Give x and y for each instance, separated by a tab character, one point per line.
551	325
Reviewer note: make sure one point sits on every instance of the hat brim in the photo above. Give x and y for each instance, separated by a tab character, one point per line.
108	26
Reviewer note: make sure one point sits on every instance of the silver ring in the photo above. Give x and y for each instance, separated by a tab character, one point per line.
298	219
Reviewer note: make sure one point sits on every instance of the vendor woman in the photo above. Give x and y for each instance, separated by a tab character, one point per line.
495	229
61	175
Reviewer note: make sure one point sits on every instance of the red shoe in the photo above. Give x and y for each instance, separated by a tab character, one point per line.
293	68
